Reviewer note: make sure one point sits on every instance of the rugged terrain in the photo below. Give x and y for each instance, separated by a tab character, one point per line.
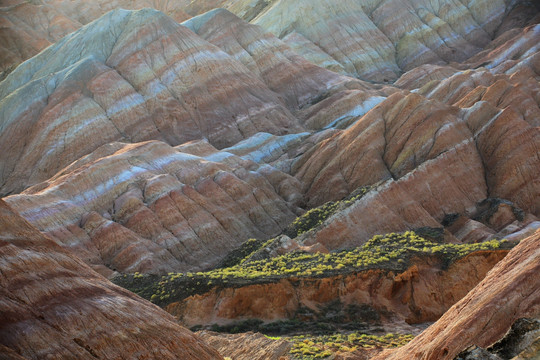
54	305
360	161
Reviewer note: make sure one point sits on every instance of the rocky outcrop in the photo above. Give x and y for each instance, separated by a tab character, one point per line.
521	342
52	305
507	293
139	76
421	293
149	207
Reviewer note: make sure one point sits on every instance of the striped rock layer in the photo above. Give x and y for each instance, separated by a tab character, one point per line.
129	76
372	40
137	144
438	150
376	40
52	305
149	207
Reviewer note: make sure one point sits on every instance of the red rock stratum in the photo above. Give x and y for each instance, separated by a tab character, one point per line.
419	294
510	291
52	305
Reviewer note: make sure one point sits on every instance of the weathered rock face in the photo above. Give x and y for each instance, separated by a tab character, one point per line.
370	39
509	291
453	141
435	159
53	305
521	342
29	27
149	207
139	76
421	293
343	21
296	80
373	40
391	140
22	35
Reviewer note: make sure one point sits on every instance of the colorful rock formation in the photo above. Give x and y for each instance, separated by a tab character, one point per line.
374	41
139	76
509	292
149	207
52	305
29	27
369	40
133	146
434	159
296	80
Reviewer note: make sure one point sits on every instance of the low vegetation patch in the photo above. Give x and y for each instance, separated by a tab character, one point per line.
237	256
327	319
321	347
316	216
275	328
391	252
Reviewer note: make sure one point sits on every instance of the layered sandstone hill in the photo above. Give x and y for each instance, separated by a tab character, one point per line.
366	39
30	26
487	312
436	151
141	148
150	207
294	78
373	41
129	76
22	35
52	305
142	76
430	153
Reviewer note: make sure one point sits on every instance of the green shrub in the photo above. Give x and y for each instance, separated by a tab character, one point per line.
391	251
320	347
316	216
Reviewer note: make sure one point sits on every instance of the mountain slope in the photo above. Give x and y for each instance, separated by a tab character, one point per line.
53	305
349	41
373	41
487	312
434	159
151	208
139	76
291	76
30	26
150	151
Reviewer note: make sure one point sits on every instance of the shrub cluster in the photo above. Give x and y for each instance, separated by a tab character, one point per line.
316	216
320	347
392	252
247	248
